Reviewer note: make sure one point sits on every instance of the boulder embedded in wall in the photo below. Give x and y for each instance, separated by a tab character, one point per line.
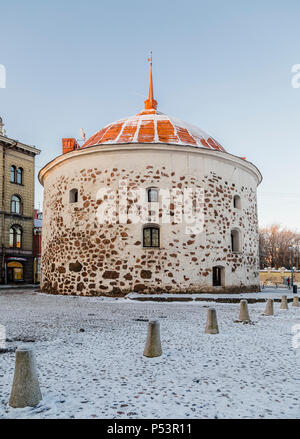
61	269
139	287
80	286
75	266
146	274
110	275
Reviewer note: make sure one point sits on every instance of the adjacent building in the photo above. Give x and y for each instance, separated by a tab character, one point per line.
17	209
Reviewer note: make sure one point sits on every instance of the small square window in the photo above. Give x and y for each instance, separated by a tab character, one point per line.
151	237
237	202
152	195
74	196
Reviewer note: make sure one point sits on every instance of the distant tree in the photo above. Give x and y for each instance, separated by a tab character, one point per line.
278	247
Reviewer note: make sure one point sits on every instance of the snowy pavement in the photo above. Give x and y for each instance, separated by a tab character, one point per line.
273	293
90	362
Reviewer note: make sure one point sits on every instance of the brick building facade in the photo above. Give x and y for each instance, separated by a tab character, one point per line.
17	209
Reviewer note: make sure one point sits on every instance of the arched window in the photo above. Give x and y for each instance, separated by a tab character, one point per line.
235	240
152	195
73	196
15	237
16	205
151	236
13	174
20	176
237	202
218	276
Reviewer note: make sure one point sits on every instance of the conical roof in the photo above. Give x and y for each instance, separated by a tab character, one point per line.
152	126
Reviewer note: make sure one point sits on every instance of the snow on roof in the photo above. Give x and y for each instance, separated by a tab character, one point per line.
151	126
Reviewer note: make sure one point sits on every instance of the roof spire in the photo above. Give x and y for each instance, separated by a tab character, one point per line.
150	103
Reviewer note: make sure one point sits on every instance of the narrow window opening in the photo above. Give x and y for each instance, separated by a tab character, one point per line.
152	195
74	196
237	202
20	176
218	276
13	174
235	241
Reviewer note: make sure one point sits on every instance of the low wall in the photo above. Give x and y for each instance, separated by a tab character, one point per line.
278	276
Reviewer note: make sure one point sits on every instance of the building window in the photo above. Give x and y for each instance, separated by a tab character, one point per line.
16	205
13	174
14	271
151	236
152	195
20	176
218	276
74	196
237	202
15	237
235	241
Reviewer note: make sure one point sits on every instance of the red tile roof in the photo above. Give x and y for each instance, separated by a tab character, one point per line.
151	126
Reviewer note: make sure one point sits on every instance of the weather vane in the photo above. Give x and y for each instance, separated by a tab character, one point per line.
150	59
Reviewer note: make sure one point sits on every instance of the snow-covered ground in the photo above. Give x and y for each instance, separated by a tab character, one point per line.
90	359
273	293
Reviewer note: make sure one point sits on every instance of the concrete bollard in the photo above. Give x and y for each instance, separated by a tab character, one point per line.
211	322
153	344
284	303
25	389
269	311
295	301
244	313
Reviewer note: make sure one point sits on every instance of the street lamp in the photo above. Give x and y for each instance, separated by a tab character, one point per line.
293	249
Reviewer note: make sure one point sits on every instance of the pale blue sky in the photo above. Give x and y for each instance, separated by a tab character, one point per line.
224	66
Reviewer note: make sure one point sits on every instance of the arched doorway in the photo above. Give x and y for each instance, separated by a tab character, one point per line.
14	272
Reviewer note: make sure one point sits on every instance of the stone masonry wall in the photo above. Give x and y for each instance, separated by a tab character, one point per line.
81	256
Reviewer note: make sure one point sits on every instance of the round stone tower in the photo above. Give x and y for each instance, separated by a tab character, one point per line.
149	204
